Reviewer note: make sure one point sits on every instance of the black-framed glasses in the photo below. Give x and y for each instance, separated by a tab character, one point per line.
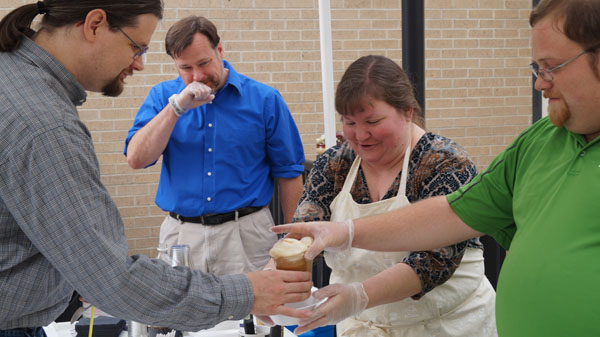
546	74
141	50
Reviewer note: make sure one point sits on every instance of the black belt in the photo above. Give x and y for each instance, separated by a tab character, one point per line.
216	219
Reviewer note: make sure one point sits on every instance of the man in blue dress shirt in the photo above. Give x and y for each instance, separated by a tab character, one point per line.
224	139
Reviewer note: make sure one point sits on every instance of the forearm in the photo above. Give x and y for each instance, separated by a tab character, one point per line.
391	285
69	217
290	190
435	267
425	225
149	142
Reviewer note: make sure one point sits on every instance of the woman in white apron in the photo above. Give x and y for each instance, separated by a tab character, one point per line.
434	293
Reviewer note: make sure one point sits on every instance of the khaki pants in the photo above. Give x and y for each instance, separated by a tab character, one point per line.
229	248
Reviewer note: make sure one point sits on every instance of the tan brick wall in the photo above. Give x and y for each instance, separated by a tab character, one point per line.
478	87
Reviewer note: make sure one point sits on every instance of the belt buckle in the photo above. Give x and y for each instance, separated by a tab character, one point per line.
179	218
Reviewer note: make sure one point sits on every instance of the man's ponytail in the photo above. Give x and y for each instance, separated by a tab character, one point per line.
15	25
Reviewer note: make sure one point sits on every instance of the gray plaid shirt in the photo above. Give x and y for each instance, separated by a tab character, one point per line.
59	228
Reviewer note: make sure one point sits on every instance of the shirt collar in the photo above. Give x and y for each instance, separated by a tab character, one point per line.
578	139
44	60
233	78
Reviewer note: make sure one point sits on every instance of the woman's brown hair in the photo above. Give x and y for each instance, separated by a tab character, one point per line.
379	78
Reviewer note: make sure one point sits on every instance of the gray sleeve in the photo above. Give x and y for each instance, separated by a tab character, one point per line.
56	196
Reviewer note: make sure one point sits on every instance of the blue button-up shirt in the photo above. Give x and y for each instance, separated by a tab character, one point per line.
225	155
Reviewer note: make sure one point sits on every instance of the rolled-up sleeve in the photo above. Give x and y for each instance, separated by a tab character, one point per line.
284	146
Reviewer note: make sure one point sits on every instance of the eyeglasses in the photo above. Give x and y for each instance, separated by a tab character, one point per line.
141	50
545	74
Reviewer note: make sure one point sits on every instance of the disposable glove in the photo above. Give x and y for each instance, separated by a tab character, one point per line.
345	233
328	236
193	95
344	300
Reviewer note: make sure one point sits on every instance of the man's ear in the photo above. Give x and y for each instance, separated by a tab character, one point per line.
219	50
94	20
409	112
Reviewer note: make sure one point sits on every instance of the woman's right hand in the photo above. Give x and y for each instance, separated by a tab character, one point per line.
343	301
328	236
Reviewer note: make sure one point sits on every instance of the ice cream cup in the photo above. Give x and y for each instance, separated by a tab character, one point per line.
288	254
296	262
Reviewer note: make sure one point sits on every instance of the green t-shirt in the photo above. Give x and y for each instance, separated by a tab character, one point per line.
540	199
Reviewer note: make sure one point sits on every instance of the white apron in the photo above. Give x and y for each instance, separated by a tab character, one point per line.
462	306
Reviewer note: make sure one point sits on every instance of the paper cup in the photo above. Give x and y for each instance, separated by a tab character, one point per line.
297	263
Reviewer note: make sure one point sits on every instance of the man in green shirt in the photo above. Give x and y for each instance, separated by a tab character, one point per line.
539	198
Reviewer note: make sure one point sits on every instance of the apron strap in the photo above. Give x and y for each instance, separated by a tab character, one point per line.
351	177
402	187
357	327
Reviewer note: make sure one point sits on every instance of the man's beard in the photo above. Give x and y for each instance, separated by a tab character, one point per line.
212	82
559	113
114	88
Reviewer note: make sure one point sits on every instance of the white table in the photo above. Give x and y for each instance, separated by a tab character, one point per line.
230	329
223	329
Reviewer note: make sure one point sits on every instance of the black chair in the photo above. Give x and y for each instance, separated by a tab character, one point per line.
493	255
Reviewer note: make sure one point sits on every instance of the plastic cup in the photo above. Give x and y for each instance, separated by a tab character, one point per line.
296	262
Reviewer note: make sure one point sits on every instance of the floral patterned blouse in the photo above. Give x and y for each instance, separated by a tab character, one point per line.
437	166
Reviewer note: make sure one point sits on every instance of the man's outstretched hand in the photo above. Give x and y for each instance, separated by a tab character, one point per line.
273	288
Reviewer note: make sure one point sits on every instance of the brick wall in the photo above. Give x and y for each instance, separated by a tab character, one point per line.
478	86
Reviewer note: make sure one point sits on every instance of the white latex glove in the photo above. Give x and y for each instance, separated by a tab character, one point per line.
329	236
344	300
194	95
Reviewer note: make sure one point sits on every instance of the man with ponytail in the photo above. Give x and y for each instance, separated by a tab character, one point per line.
60	231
